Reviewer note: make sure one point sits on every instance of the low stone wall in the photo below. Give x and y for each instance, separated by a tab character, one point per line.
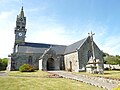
108	66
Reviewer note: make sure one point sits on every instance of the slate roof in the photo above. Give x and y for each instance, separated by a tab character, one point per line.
60	49
41	47
37	45
73	47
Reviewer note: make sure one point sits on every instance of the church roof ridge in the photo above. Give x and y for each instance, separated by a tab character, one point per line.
45	45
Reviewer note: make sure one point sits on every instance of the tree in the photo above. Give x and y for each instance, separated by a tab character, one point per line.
5	61
112	60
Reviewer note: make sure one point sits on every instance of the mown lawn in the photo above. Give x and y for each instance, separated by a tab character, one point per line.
32	74
39	81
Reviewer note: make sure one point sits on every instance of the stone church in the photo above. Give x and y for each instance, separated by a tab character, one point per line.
43	56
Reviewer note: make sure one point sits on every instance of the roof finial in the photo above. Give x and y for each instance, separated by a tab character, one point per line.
22	7
91	34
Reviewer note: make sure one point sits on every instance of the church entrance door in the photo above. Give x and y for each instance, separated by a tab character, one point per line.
50	64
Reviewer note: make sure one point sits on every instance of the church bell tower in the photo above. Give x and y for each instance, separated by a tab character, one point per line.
20	30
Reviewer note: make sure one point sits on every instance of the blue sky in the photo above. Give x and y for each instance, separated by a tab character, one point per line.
62	22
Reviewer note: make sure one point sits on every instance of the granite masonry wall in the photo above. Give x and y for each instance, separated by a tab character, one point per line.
71	62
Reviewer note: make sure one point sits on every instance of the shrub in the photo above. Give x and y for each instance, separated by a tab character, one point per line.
3	63
26	68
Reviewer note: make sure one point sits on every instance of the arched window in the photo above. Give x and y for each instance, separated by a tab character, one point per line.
30	60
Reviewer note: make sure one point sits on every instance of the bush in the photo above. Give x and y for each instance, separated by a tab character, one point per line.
26	68
3	63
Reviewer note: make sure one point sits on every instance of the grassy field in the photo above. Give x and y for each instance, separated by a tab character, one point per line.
39	81
32	74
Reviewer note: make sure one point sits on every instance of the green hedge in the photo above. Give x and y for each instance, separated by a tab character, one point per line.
26	68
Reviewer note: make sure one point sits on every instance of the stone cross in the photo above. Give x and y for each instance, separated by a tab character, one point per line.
92	45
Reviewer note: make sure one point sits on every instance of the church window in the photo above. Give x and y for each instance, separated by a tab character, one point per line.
23	27
30	60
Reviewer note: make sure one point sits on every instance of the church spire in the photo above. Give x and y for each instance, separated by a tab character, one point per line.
21	13
20	29
21	19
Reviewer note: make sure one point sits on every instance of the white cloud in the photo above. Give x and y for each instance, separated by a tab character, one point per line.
6	39
4	15
46	29
112	45
51	34
6	33
55	33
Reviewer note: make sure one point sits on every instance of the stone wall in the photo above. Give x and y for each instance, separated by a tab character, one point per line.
50	53
99	55
73	58
108	66
83	54
19	59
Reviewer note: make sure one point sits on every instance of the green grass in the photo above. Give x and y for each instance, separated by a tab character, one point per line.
112	74
118	88
41	82
34	74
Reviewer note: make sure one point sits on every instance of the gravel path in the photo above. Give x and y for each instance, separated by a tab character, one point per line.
96	81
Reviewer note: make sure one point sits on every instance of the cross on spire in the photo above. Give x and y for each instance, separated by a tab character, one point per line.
91	34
